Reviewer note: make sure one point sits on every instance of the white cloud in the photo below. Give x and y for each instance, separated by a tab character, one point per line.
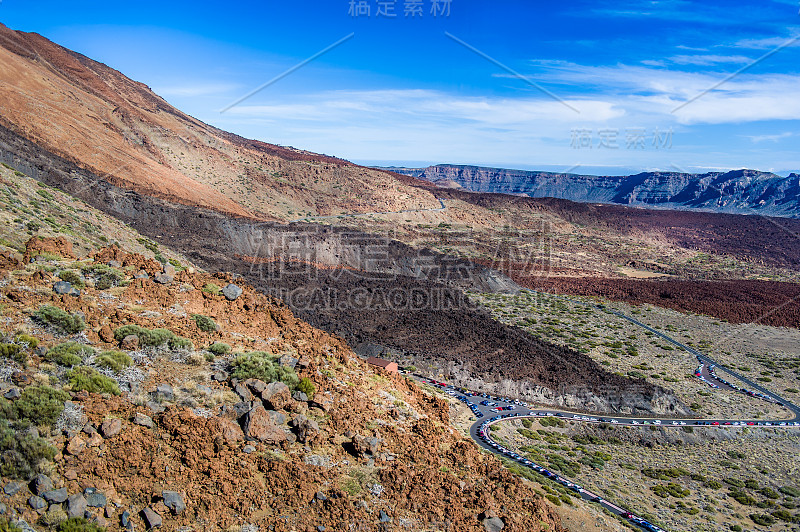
770	138
704	60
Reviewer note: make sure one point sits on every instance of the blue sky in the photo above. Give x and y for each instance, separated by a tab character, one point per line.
602	87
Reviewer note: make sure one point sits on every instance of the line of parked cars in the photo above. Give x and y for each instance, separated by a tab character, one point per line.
483	434
751	393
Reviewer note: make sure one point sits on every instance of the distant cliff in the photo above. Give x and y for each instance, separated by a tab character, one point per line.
737	191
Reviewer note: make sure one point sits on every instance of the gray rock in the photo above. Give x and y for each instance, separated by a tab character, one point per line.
12	394
279	418
493	524
243	392
125	519
220	376
320	528
143	420
40	351
320	496
249	449
164	392
62	287
169	269
152	519
162	278
76	505
111	427
256	386
141	275
55	496
174	501
114	264
204	389
12	488
95	498
242	408
37	503
384	517
89	429
300	396
288	361
41	483
3	508
155	407
231	292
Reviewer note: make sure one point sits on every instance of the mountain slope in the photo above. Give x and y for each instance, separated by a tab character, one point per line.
737	191
117	128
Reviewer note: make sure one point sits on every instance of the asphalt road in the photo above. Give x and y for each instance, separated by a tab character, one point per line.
702	358
488	415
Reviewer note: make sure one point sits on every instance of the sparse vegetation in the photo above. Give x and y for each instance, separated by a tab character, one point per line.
60	319
37	405
205	323
264	366
211	288
68	353
114	360
307	387
22	452
219	348
78	524
86	378
72	277
153	337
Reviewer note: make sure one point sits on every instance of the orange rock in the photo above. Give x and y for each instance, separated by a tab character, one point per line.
36	245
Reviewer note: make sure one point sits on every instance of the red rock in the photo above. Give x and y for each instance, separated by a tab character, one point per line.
259	425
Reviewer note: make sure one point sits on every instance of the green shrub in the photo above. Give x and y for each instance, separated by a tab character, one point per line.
713	484
762	519
211	288
263	366
783	515
56	317
31	341
742	497
72	277
736	528
152	337
86	378
307	387
114	360
68	353
104	276
14	352
78	524
665	490
22	452
40	405
790	491
219	348
204	323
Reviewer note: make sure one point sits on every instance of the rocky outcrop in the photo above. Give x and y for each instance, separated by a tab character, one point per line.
736	191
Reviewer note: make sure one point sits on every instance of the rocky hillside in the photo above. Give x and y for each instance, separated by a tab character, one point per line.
738	191
138	395
117	128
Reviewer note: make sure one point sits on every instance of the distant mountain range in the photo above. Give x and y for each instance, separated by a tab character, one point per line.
736	192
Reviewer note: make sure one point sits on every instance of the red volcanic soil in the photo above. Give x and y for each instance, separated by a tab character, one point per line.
768	240
765	302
